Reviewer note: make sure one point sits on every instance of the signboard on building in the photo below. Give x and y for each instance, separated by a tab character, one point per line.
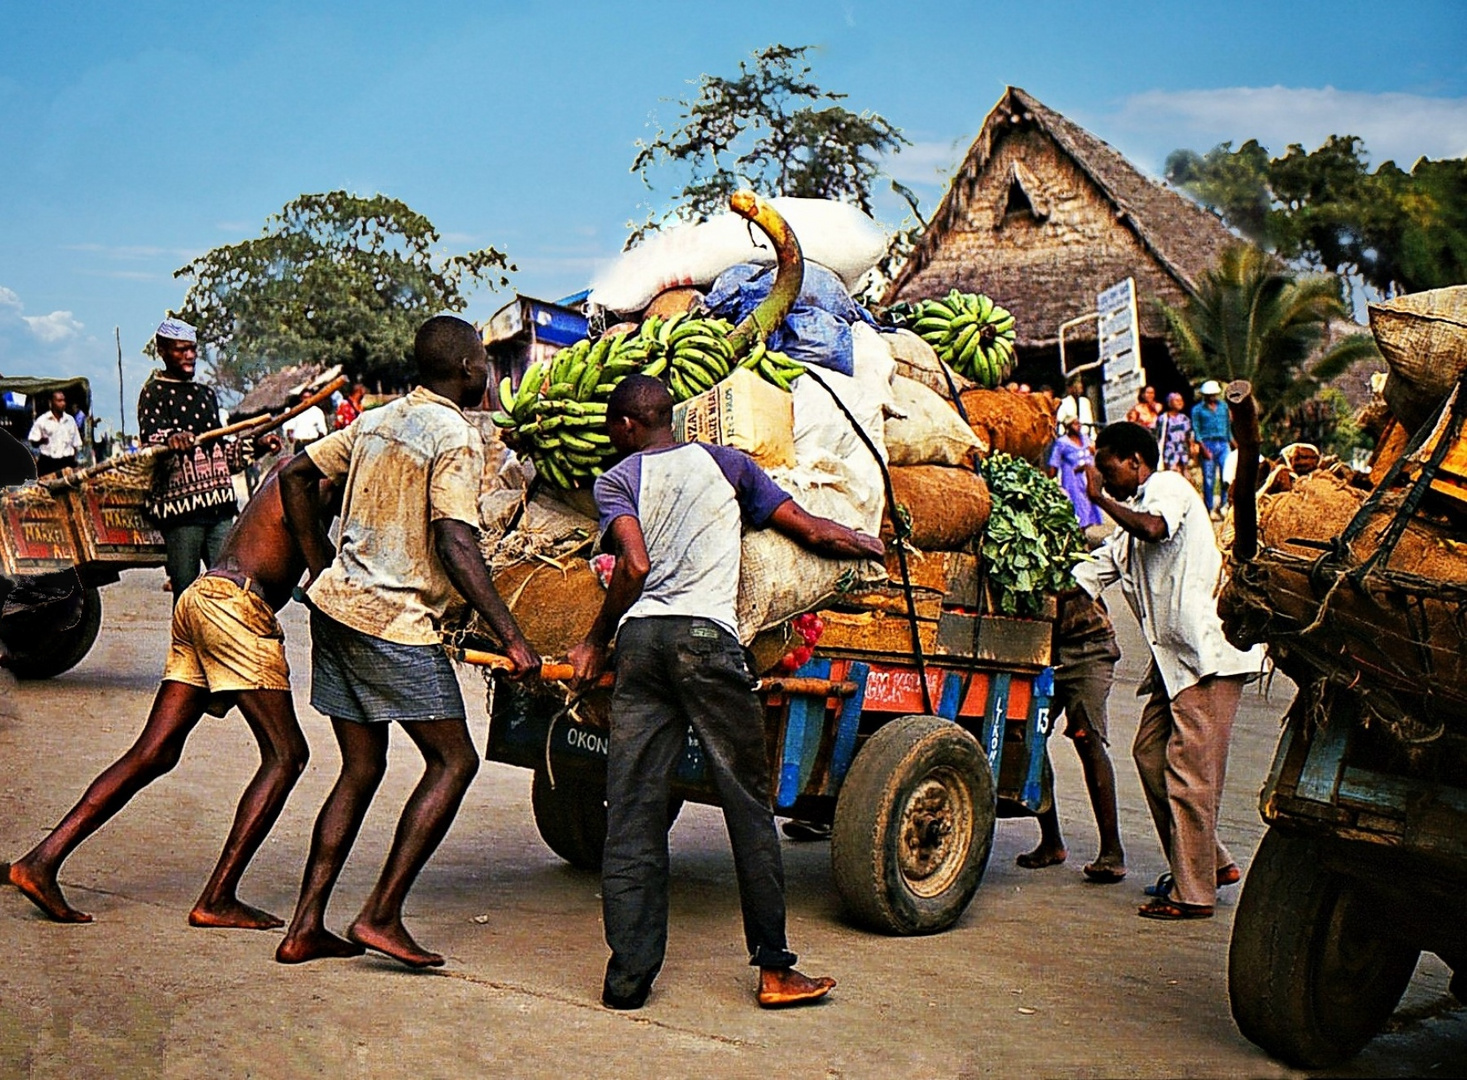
1119	335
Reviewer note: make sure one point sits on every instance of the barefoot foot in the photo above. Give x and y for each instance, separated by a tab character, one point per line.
41	889
315	945
1041	857
1106	870
393	940
232	915
782	987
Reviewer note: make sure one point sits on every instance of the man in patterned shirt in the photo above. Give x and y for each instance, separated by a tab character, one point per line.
193	498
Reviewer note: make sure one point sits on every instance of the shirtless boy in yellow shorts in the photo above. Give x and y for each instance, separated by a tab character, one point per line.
227	649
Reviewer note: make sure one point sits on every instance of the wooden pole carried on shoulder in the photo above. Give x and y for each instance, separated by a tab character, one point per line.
253	428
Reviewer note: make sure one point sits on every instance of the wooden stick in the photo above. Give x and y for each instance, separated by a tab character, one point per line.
1245	481
254	427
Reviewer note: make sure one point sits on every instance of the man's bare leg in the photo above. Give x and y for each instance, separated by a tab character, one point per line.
283	756
451	762
1100	782
176	710
1051	850
363	762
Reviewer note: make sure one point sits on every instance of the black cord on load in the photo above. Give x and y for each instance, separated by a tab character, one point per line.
899	530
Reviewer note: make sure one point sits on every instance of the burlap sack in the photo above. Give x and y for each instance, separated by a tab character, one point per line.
554	608
926	430
1423	338
917	360
1411	647
1012	423
948	507
778	578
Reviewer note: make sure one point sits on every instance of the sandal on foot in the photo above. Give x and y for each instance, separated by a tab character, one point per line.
1163	887
1103	875
1173	910
1229	875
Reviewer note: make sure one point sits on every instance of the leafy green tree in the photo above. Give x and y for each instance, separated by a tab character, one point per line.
1252	319
1389	230
1232	182
334	278
771	128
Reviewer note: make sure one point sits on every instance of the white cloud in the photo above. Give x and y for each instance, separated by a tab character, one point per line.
57	345
1395	126
55	327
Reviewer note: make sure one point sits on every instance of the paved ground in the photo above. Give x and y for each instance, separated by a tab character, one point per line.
1044	976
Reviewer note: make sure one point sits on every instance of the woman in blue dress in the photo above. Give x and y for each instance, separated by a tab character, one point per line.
1067	460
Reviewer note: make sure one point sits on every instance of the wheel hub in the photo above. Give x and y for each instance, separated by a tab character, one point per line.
937	824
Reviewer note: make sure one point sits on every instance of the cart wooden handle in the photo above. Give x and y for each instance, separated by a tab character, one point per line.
549	671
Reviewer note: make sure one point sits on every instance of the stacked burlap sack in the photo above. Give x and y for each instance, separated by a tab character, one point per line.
1423	338
871	400
1399	630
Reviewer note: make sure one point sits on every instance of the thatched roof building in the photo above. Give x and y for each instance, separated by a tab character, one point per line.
1042	216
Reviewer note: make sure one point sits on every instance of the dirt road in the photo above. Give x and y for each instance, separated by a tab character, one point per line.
1044	976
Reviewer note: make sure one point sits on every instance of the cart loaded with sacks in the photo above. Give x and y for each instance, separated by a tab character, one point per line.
908	737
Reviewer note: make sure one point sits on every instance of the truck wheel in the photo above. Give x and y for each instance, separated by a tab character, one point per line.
61	652
1310	978
571	818
913	826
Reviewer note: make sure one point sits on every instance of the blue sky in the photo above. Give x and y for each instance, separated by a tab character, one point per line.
133	137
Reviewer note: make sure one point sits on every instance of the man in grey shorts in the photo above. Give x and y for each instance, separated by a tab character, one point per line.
1085	655
408	550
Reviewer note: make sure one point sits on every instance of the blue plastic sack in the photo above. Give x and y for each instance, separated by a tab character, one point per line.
818	328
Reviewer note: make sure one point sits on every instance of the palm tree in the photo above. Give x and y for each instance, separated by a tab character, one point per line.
1252	319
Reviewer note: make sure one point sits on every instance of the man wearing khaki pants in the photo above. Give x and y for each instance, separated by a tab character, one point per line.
1165	556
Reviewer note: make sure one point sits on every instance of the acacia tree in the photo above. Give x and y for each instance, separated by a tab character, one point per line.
334	278
771	128
1252	319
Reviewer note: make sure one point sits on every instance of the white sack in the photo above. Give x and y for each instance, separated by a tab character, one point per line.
836	235
925	430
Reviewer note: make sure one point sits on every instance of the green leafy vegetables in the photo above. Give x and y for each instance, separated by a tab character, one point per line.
1033	538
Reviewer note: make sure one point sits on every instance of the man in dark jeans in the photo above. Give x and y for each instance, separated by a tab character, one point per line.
193	498
672	514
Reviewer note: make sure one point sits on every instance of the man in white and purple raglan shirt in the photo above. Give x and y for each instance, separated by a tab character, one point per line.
673	514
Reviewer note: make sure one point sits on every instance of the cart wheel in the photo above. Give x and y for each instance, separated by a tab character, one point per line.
1310	979
56	653
913	826
571	818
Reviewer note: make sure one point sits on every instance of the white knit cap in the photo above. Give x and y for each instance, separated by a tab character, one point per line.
176	330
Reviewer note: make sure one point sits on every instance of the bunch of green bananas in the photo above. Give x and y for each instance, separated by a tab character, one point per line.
692	355
557	415
968	331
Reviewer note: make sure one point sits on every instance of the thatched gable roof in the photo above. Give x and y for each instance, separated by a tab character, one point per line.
1091	217
278	389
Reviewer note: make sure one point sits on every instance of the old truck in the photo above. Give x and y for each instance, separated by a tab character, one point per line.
1364	864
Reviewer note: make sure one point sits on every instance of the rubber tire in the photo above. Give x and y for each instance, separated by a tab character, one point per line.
65	650
571	818
1292	992
902	757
